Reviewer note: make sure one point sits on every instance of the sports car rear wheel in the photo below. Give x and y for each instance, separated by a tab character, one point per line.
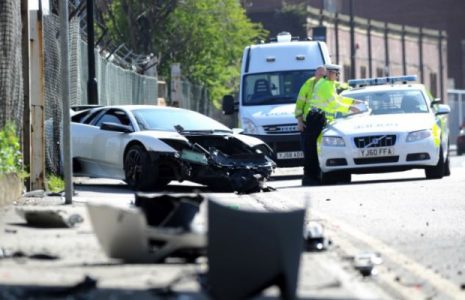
141	173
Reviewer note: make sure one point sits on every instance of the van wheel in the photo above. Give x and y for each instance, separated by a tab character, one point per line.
439	170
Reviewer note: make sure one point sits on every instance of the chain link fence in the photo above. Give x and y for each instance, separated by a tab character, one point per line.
11	74
117	83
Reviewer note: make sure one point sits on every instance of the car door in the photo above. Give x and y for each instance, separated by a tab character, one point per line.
108	146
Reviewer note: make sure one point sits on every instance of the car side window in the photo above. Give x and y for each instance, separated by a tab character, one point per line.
114	116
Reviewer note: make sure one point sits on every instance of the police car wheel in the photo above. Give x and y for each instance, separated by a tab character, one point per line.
447	167
438	171
335	177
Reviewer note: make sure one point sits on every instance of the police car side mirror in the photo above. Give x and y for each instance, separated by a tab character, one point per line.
443	109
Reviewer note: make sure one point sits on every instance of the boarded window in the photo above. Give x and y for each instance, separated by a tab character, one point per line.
363	72
346	72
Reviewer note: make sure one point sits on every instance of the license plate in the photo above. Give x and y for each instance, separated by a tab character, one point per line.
376	152
290	155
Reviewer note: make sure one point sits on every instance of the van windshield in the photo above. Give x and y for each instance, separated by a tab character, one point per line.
273	87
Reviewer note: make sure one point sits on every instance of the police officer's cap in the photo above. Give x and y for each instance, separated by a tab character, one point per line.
333	68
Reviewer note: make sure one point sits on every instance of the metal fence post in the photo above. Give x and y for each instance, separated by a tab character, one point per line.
64	41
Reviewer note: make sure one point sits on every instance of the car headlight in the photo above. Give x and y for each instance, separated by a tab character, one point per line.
418	135
335	141
249	126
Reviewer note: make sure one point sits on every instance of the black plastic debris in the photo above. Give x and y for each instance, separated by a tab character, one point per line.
249	251
4	253
245	182
365	262
49	218
169	211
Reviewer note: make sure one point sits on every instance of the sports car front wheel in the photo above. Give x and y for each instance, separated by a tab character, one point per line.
140	171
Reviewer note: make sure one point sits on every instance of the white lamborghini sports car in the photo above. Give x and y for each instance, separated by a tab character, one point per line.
149	146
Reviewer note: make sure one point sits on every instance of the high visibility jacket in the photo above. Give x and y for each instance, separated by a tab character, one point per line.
302	105
325	97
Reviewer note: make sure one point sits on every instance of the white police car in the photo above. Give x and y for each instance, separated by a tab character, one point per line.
402	127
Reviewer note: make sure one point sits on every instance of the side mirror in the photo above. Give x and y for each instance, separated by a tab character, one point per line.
116	127
228	105
443	109
435	101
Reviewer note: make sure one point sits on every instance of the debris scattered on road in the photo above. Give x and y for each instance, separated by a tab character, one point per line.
48	218
365	262
34	193
169	211
46	292
4	253
249	251
126	233
314	237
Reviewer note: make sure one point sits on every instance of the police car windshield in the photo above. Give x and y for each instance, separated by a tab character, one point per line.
273	87
392	101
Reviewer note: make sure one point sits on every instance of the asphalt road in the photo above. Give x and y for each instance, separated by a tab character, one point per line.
415	225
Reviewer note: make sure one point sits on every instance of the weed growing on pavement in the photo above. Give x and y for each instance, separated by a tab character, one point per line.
11	159
55	183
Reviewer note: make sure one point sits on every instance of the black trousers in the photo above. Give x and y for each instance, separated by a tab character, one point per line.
314	124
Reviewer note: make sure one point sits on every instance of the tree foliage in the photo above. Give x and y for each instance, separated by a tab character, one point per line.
205	36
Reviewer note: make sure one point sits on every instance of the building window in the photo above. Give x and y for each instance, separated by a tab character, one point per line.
363	72
433	83
379	72
346	72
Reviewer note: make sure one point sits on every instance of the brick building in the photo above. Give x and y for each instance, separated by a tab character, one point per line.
386	42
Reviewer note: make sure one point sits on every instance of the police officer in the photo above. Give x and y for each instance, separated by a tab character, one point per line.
302	108
319	109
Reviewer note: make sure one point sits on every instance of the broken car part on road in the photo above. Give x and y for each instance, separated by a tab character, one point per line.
128	233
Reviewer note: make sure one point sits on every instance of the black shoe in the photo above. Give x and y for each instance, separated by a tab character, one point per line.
309	181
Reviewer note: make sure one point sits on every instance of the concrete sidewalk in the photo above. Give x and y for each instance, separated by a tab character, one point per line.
66	263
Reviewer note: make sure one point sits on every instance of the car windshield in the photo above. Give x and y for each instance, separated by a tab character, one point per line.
167	119
392	101
273	87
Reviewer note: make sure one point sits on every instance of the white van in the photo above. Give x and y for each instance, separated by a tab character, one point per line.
271	76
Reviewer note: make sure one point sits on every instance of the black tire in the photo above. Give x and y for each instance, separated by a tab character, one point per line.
438	171
335	178
447	167
141	173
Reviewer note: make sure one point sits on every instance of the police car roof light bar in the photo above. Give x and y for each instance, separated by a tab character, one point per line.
382	80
